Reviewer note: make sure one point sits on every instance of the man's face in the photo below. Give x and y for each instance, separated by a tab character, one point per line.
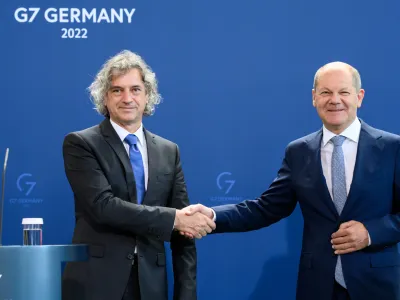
336	98
126	99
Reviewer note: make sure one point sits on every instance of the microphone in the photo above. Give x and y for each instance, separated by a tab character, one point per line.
3	182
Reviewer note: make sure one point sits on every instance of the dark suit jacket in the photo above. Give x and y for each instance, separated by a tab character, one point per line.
374	200
109	219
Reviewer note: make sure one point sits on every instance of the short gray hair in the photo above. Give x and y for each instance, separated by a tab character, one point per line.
118	65
355	74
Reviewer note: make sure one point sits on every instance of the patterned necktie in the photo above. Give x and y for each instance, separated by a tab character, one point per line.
339	192
137	165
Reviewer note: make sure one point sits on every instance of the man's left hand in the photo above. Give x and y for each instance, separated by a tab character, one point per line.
351	236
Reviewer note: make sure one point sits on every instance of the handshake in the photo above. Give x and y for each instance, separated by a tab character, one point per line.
194	221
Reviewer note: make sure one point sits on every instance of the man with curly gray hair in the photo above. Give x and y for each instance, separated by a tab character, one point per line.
119	65
130	195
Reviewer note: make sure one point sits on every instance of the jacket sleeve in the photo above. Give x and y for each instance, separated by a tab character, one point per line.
385	231
277	202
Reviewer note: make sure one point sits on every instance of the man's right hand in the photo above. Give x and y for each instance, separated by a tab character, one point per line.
194	224
197	209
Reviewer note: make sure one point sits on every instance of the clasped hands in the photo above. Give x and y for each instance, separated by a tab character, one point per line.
194	221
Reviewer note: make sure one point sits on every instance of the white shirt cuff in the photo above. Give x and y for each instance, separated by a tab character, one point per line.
214	215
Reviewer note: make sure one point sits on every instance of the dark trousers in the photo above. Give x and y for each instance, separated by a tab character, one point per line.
132	290
339	292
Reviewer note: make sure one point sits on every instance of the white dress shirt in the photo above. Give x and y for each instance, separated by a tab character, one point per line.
122	133
350	144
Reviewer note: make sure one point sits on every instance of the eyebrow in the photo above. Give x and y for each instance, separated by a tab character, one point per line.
324	89
345	89
120	87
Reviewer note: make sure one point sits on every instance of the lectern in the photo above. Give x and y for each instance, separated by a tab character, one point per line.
34	272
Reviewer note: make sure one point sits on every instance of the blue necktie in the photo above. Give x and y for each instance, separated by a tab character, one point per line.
338	191
137	165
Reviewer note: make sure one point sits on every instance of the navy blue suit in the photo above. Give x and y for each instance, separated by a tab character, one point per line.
374	200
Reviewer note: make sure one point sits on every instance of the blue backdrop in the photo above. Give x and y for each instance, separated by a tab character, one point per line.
236	78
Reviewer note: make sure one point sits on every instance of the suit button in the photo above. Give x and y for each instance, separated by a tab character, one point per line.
130	256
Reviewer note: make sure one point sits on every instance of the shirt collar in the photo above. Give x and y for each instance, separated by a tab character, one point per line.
123	133
352	132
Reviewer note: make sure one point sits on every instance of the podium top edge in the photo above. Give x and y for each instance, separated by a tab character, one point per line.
44	254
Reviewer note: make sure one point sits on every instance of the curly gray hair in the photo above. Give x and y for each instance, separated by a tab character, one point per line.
121	64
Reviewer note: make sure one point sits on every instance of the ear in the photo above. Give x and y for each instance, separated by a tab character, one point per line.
360	97
313	97
105	100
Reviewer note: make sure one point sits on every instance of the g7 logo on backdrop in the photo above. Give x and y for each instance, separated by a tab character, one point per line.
24	184
228	184
225	183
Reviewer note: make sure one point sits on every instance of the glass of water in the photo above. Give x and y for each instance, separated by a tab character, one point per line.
32	234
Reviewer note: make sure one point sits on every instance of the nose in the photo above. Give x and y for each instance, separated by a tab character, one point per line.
335	99
127	97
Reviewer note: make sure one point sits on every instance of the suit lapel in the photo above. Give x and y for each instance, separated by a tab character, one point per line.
153	156
368	153
114	141
316	174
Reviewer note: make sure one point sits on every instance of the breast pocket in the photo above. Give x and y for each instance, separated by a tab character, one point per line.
166	177
305	178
